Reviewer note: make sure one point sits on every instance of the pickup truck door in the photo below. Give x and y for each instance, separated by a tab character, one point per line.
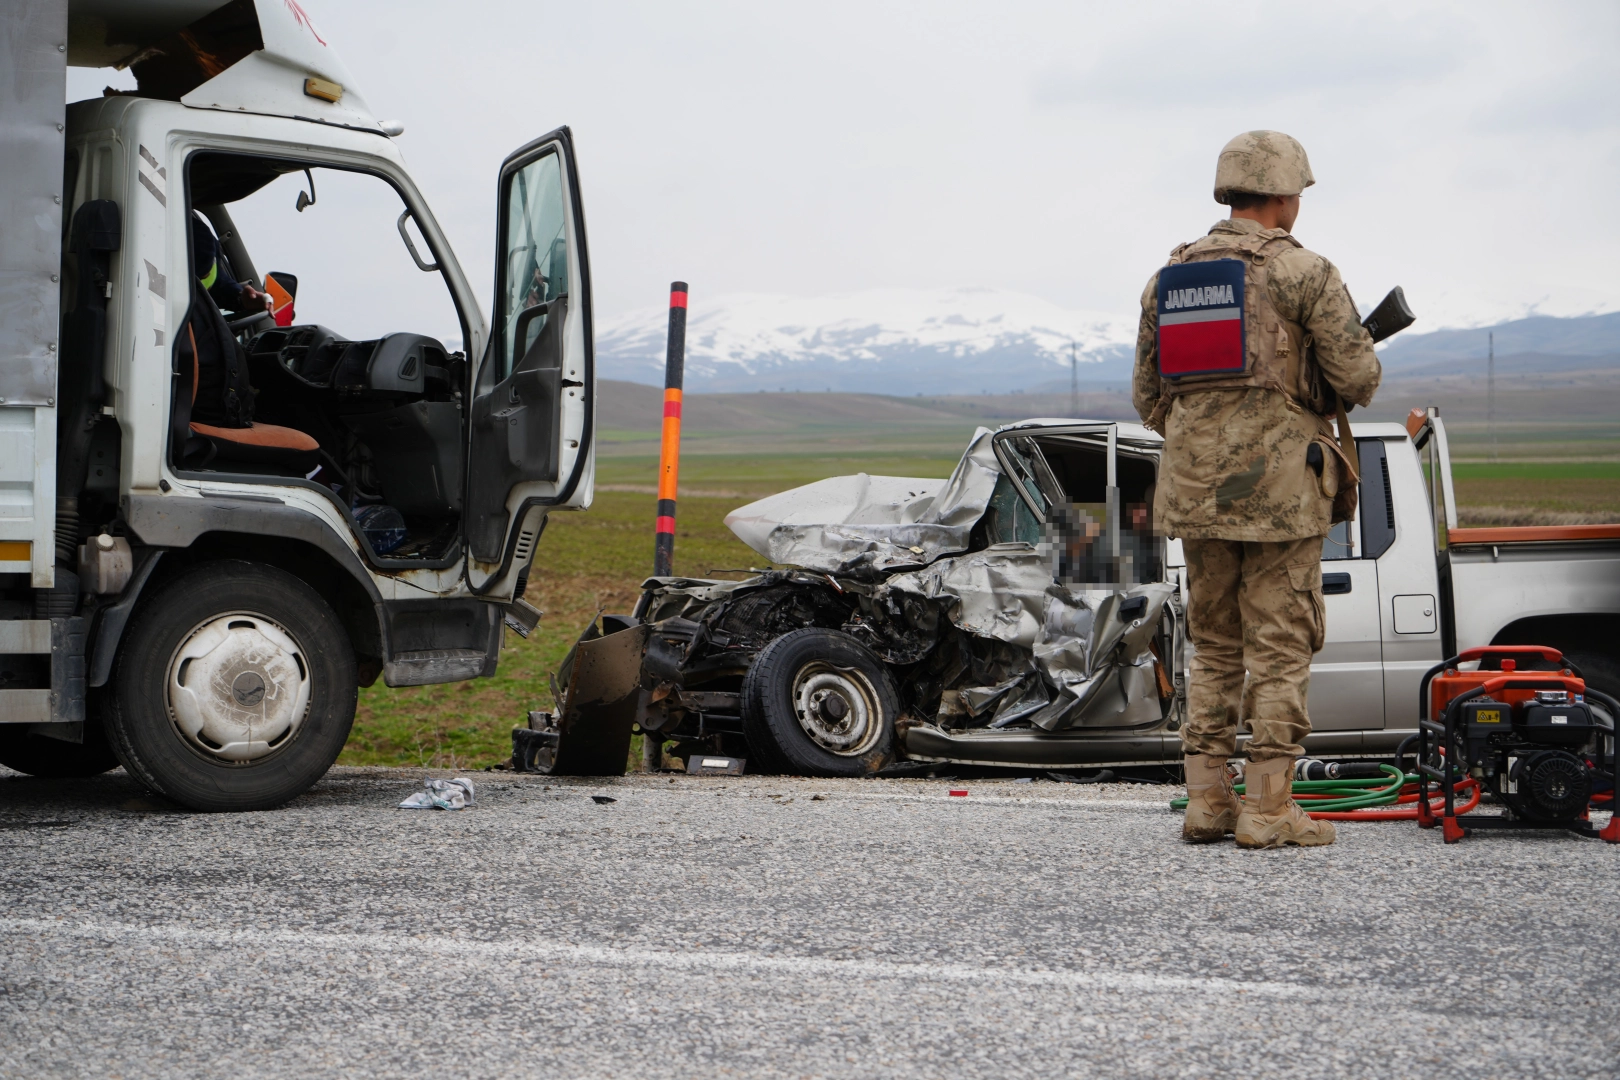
1347	676
532	406
1412	574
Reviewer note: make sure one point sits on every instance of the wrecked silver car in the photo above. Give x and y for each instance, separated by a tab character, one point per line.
1018	613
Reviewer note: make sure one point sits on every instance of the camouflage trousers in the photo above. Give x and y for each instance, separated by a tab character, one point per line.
1253	607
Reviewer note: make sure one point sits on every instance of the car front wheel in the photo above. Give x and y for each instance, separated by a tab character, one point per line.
819	703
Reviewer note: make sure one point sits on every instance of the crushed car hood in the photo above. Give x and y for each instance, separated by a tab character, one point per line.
845	523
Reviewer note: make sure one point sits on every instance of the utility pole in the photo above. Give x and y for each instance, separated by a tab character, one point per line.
1074	381
1490	392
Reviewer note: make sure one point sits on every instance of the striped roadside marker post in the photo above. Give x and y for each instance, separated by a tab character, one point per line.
669	455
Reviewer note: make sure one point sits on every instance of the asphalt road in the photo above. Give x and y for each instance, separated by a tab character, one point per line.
773	927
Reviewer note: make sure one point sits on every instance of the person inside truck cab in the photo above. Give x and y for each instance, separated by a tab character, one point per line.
213	271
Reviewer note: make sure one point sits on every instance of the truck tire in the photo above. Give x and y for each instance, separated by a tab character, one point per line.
818	703
38	755
234	690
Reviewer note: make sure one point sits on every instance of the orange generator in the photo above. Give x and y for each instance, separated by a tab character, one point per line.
1521	723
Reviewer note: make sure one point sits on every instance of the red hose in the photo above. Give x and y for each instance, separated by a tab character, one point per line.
1405	808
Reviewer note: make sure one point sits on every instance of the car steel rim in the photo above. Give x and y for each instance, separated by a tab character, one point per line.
837	708
238	688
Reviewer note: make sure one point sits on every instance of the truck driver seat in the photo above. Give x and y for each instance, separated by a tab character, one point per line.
256	448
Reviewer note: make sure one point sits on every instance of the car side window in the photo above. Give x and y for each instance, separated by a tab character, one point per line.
1377	510
1337	543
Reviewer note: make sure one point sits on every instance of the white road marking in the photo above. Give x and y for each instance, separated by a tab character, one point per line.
932	796
648	959
973	798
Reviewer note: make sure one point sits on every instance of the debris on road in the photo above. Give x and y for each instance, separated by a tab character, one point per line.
714	765
454	794
602	800
1101	776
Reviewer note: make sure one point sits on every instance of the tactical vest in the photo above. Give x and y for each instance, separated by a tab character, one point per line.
1210	348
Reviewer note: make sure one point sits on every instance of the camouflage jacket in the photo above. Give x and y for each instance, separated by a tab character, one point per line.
1234	465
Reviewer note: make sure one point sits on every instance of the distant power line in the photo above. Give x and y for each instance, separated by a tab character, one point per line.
1490	391
1074	380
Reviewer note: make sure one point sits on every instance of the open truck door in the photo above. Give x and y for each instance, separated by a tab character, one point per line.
533	409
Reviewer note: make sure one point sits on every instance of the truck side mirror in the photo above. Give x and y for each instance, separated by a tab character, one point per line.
306	198
282	288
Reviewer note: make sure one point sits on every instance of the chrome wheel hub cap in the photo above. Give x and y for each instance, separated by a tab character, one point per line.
837	708
238	687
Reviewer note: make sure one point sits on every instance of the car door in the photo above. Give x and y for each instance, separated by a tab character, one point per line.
532	406
1347	676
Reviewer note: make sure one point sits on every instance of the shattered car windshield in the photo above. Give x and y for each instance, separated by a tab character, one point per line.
1031	473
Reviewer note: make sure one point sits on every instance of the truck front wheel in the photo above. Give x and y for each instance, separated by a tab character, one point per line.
234	689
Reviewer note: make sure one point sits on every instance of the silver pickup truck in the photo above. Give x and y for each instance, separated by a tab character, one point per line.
950	621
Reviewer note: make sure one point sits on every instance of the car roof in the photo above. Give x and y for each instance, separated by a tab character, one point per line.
1128	432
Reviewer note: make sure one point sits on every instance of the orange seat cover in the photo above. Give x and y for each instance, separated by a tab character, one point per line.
283	438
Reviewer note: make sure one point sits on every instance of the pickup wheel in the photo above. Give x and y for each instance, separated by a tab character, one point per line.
39	755
819	703
235	688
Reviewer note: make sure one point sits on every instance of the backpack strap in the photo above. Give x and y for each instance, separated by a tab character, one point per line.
1349	492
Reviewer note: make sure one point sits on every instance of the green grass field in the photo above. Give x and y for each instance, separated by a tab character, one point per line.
1536	470
1537	492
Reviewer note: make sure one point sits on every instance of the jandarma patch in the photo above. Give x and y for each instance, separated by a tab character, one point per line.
1201	319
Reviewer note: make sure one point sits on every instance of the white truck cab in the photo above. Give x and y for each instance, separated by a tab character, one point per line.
226	502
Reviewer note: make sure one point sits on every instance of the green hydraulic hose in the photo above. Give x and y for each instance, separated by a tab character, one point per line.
1345	794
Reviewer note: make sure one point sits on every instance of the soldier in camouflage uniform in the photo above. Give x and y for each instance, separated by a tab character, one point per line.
1249	475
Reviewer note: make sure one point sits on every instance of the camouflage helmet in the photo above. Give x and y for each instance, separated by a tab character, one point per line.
1262	163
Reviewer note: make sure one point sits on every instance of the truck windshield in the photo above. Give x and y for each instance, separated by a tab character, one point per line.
354	275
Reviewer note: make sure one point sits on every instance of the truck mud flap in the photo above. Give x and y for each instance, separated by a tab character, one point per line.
599	686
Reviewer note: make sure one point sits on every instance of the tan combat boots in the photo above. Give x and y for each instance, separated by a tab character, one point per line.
1270	817
1212	805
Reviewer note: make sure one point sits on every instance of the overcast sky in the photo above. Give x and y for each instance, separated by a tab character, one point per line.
1469	151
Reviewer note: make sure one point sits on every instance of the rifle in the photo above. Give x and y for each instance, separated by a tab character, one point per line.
1390	317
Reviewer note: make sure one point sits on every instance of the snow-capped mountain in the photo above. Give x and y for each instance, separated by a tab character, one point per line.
887	341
